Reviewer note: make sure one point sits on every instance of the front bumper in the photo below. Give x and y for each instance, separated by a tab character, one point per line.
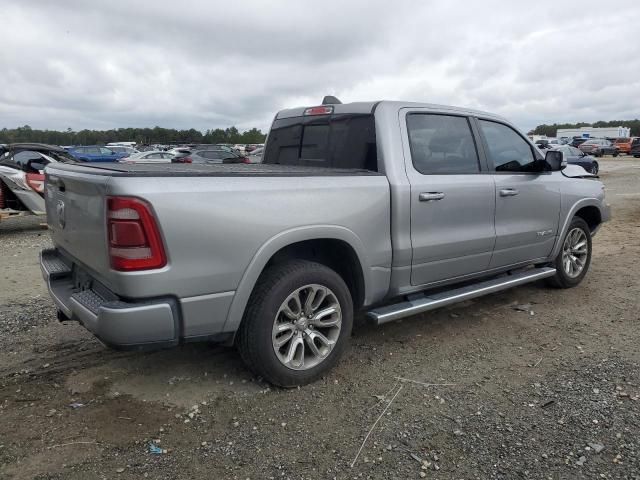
117	323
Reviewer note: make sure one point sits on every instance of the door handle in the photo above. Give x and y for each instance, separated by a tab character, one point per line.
430	196
509	192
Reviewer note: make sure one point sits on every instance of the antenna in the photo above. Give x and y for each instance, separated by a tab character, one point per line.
330	100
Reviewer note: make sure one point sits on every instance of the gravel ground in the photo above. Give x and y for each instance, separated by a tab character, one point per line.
479	390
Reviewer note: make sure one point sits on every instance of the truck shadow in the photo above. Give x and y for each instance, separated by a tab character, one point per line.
192	373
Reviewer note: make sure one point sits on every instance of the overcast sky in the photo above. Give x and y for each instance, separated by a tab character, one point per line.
205	64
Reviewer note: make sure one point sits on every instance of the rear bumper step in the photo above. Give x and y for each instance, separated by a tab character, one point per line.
423	303
117	323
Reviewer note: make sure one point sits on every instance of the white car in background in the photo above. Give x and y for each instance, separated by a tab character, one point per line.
255	156
154	156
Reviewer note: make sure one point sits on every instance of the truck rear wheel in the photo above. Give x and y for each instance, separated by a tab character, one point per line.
297	323
574	258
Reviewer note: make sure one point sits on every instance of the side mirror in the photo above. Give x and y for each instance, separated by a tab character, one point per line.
112	152
555	160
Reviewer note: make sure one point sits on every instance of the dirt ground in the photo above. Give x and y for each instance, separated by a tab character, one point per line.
547	391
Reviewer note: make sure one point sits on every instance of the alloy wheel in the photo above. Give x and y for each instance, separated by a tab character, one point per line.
306	327
575	251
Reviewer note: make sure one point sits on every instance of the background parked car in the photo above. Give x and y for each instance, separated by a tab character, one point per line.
256	155
95	153
542	144
239	148
180	155
635	147
157	156
599	148
123	149
624	144
22	175
575	156
577	141
212	156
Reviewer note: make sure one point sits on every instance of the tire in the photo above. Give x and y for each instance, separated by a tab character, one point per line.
563	277
595	168
275	293
615	154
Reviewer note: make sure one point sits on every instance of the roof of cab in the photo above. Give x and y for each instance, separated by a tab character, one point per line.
394	105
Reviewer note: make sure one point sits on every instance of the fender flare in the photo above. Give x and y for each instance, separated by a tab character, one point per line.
277	243
585	202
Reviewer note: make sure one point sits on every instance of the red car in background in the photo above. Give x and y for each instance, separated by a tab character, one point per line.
22	176
624	144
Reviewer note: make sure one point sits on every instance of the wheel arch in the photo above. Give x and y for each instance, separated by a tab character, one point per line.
324	244
590	210
590	214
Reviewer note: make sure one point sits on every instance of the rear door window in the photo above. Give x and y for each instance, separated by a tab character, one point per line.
442	144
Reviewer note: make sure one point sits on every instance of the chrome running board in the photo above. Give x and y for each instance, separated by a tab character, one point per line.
419	303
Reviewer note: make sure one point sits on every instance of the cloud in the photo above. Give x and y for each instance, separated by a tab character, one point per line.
117	63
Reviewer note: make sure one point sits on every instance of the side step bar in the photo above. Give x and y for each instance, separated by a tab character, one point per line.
422	303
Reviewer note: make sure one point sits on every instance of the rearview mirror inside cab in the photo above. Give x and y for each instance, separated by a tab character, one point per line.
555	160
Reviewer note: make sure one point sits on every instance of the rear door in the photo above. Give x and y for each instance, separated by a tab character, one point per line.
452	198
527	202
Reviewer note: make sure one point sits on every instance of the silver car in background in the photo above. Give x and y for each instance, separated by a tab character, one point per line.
154	156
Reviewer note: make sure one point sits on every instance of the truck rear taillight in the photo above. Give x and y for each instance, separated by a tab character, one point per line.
135	242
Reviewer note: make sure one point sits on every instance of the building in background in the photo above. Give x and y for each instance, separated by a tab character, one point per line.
592	132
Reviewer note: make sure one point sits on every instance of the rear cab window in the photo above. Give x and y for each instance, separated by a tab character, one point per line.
333	141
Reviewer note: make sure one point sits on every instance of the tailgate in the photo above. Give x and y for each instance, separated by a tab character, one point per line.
75	204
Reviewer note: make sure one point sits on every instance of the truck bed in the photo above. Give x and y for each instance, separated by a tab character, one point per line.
217	223
207	170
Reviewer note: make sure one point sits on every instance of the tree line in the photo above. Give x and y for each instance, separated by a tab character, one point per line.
156	135
550	130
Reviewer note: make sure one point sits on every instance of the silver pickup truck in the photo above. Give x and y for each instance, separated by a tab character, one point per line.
385	208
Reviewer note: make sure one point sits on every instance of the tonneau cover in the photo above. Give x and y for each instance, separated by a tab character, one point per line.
205	170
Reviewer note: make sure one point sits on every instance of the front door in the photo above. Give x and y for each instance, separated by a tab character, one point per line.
527	202
452	203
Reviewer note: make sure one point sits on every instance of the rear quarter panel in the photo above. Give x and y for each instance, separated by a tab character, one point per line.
214	228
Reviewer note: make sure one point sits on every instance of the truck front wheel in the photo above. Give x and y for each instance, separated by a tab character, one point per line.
297	323
574	258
